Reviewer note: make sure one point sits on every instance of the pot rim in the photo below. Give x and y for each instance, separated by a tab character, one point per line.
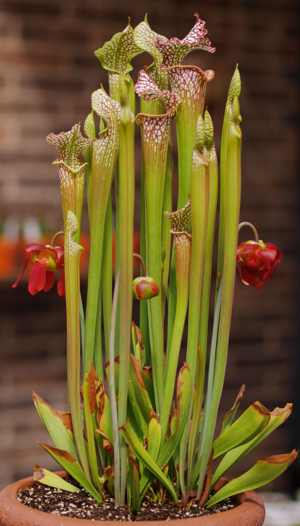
14	513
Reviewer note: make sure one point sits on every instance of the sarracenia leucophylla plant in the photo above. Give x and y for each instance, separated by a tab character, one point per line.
147	423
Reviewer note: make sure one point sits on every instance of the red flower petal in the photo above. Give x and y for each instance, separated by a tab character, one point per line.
33	247
37	278
21	275
267	275
239	273
279	253
250	272
268	255
49	280
61	285
250	247
59	257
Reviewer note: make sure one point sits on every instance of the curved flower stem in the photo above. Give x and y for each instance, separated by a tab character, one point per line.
60	233
113	402
138	256
246	223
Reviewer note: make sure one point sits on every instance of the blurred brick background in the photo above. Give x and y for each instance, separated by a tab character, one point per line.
47	73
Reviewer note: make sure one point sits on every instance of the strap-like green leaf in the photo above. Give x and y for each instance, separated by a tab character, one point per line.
229	417
144	457
250	423
116	367
138	345
148	380
88	382
139	393
104	415
277	417
262	472
51	479
154	436
183	395
134	481
57	424
72	466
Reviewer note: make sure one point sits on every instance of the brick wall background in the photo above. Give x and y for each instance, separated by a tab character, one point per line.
47	73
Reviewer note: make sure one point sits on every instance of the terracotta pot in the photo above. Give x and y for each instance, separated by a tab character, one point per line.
251	512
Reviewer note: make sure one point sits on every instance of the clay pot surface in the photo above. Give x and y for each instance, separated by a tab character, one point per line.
251	512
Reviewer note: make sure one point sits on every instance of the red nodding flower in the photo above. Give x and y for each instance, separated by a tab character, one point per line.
258	261
45	259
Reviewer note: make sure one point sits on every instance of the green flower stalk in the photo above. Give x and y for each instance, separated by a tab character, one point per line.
182	242
71	171
103	164
156	130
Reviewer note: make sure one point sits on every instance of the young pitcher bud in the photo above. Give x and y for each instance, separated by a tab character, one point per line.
145	288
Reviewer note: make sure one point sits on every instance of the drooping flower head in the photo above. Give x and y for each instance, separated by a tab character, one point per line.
258	261
45	259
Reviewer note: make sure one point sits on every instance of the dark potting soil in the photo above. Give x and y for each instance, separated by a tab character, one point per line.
82	505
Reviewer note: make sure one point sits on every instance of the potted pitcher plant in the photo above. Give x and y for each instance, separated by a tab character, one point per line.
141	424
